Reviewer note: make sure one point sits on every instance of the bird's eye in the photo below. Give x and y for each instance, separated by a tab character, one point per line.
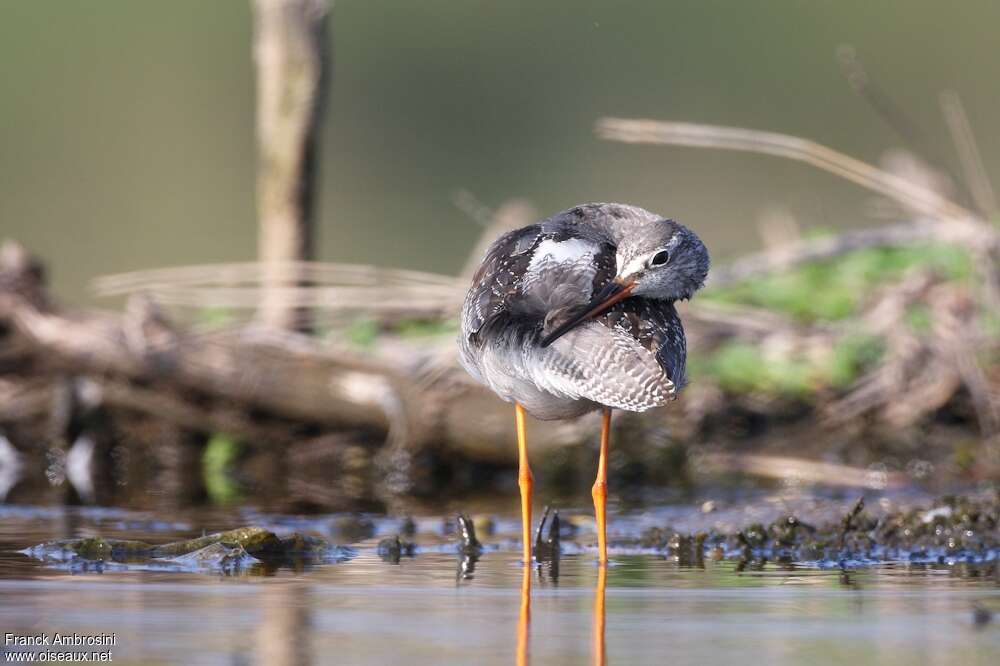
660	258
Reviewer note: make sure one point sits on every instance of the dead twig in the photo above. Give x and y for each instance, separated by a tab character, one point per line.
911	195
969	157
800	470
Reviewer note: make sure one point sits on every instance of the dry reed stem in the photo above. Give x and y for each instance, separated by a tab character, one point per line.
233	274
968	153
822	157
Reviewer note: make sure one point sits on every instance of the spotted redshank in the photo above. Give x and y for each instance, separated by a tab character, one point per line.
576	313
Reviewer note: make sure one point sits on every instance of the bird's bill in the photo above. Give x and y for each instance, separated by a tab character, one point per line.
615	291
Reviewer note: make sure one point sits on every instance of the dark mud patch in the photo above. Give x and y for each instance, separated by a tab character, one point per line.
951	531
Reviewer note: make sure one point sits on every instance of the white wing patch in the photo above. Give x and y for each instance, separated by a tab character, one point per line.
568	251
560	274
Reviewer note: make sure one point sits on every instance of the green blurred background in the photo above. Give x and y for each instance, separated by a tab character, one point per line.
126	126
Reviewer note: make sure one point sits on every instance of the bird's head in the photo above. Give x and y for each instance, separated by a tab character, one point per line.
658	259
664	260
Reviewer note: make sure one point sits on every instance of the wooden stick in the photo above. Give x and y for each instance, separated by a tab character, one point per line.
290	54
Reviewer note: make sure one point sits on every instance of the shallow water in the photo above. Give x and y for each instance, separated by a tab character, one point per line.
420	611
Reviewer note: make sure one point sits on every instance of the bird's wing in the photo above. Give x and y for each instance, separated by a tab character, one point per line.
497	282
603	364
532	276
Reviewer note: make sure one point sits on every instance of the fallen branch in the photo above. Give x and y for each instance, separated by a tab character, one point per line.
251	381
799	470
243	367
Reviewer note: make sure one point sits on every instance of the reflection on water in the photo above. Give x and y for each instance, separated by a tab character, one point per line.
599	657
284	631
642	608
602	580
524	619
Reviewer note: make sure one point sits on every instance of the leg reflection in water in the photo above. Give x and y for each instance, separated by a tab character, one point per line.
598	637
524	621
547	552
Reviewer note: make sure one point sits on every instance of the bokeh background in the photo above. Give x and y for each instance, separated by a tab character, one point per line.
787	505
126	126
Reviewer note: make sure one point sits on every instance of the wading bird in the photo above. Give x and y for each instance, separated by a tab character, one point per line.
576	313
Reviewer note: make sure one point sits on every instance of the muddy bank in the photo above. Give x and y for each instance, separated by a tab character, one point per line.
953	531
959	532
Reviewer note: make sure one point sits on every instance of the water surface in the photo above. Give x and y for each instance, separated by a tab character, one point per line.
422	611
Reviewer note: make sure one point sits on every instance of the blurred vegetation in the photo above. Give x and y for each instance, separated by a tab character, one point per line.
217	317
364	332
139	115
741	366
415	329
218	465
835	289
831	291
422	109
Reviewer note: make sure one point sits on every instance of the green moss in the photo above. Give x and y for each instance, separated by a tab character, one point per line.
742	367
362	333
216	317
254	540
964	457
835	289
218	459
736	366
425	328
100	549
94	548
919	318
852	356
832	290
989	322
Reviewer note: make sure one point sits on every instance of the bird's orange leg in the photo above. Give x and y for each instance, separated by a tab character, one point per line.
600	489
525	481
